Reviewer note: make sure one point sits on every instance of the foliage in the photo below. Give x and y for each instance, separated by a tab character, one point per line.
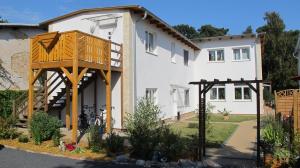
224	112
78	150
279	64
186	30
7	130
144	128
94	138
43	127
3	20
114	143
268	96
282	154
56	137
248	30
23	139
204	31
171	144
6	98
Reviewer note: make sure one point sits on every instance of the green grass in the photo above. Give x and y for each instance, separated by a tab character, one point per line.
232	118
219	134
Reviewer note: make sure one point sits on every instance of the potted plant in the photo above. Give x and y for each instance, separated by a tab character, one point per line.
281	157
225	113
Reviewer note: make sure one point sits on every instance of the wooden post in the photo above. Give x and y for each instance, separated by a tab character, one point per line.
68	121
95	94
108	92
45	96
295	110
30	94
75	92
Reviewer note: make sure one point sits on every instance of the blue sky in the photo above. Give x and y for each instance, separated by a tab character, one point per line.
233	14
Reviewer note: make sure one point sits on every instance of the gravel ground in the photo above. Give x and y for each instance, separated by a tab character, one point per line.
11	158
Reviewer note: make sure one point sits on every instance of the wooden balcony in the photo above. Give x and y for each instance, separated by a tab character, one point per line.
54	50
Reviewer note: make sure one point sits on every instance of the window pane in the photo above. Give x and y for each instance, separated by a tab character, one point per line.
173	52
236	53
187	98
238	93
221	93
212	56
186	57
245	53
151	42
247	93
213	93
220	55
146	41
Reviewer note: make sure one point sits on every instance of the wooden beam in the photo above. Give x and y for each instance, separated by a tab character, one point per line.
74	93
68	119
36	75
82	73
30	94
102	74
68	74
108	98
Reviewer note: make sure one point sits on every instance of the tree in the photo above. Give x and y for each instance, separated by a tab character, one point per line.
248	30
278	63
3	20
188	31
211	31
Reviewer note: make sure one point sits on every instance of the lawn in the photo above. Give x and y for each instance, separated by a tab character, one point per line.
219	133
232	118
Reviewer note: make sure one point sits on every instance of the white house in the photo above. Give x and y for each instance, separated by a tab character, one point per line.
159	62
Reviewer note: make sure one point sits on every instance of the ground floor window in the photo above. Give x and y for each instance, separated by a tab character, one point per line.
186	97
151	93
242	92
217	92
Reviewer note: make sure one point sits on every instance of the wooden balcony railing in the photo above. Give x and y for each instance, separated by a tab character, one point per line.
61	48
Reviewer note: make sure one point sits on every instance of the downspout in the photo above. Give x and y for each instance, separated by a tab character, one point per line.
135	56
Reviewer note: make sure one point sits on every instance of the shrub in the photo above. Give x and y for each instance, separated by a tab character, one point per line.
56	137
6	98
171	144
114	143
23	139
7	130
43	127
94	138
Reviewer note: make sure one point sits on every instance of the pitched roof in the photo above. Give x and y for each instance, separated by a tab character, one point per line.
153	19
228	37
18	25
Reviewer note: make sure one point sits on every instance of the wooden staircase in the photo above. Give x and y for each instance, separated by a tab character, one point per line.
52	88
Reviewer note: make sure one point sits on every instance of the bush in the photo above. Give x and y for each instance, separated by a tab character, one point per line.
56	137
43	127
23	139
114	143
143	128
94	138
171	144
7	130
6	98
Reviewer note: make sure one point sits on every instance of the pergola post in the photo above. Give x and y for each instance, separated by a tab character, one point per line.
108	94
30	94
68	120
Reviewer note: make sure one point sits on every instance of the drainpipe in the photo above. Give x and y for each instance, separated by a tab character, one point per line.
135	62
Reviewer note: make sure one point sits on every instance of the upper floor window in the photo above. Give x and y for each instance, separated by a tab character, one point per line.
186	97
216	55
151	94
173	52
242	92
217	92
150	42
186	57
240	54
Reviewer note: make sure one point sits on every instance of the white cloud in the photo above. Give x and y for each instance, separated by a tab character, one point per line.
22	16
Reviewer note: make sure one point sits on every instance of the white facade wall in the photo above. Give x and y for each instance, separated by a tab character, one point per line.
235	70
158	71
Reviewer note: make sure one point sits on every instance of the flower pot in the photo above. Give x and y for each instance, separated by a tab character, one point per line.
276	163
268	159
226	118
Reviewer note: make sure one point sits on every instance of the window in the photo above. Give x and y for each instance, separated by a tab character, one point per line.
186	57
187	97
149	45
216	55
217	92
151	93
240	54
242	92
173	52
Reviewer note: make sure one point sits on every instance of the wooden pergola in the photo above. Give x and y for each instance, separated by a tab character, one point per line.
204	87
72	54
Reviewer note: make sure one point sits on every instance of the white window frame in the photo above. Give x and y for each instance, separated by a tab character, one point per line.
173	52
242	87
216	55
217	87
148	43
153	94
186	63
241	54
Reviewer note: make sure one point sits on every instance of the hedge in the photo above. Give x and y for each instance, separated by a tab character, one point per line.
6	99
